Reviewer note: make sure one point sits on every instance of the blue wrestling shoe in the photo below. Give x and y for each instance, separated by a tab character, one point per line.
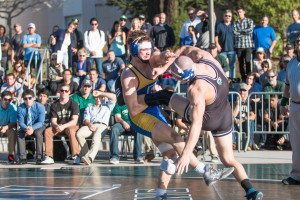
255	195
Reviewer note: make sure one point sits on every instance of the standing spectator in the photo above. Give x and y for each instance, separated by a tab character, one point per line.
123	21
31	42
263	80
64	118
8	123
62	41
162	34
202	16
17	52
94	41
135	25
81	67
117	40
19	71
111	69
84	98
283	65
253	87
203	42
11	85
214	52
77	40
4	44
97	83
155	20
49	45
292	91
293	29
67	79
122	126
145	26
193	21
31	118
225	41
96	118
260	57
262	36
273	85
191	39
242	30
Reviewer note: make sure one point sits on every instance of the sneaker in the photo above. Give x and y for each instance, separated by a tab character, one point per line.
249	148
86	160
38	161
21	162
48	160
149	157
290	181
139	160
211	175
256	147
234	146
114	161
168	166
76	160
255	195
214	159
11	159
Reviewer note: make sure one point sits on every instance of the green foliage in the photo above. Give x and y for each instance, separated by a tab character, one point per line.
132	7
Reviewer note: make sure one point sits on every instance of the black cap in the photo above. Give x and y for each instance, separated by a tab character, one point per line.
289	46
212	46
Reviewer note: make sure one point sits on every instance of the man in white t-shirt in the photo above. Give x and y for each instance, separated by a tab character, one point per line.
94	41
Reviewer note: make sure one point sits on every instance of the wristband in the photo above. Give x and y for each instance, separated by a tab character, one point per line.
284	101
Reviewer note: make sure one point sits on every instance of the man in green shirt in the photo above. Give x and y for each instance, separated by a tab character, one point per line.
214	52
84	98
273	85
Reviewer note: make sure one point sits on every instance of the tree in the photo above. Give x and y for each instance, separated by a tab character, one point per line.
10	9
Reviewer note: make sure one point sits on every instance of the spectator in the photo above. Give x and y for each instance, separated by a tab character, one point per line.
11	85
293	30
214	52
77	40
96	118
243	91
111	69
31	118
8	123
257	61
81	67
155	20
64	118
167	78
123	21
191	39
4	44
162	34
62	41
97	83
273	85
290	51
117	40
253	87
242	30
43	96
202	16
31	42
19	72
145	26
135	25
17	51
203	42
262	36
84	98
54	29
225	41
94	41
67	79
193	21
283	65
123	127
263	77
55	69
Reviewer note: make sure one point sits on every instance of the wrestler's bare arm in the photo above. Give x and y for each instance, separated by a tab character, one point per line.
160	62
129	84
194	53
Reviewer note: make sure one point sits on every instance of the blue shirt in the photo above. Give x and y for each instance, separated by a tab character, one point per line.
188	41
111	69
97	84
8	116
293	31
37	111
225	36
100	115
255	88
281	75
27	39
262	36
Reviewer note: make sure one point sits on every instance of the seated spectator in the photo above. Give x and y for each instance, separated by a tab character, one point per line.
81	67
253	87
8	123
111	68
31	118
290	51
191	39
243	91
19	71
64	118
97	83
257	61
221	59
122	127
273	85
263	77
167	78
96	118
11	85
283	65
55	69
84	98
67	79
117	40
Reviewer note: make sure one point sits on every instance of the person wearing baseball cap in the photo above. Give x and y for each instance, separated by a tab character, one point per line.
144	26
123	21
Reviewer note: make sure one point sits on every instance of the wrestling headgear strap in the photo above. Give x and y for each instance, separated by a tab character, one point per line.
135	46
185	75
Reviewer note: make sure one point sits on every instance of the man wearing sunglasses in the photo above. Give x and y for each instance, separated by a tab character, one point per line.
64	118
31	118
8	123
273	84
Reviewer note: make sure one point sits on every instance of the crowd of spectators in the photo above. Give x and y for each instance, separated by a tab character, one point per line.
78	66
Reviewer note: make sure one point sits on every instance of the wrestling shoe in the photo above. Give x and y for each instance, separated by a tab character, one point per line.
212	175
162	197
168	166
255	195
290	181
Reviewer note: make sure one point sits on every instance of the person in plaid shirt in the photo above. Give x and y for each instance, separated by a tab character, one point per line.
242	30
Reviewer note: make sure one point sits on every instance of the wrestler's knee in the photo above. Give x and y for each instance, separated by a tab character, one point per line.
169	154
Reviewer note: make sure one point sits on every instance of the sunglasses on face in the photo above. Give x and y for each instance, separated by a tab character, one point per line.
190	14
54	59
286	61
5	99
265	66
64	91
270	77
27	98
123	20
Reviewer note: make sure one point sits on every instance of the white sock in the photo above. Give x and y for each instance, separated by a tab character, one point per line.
200	169
160	192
